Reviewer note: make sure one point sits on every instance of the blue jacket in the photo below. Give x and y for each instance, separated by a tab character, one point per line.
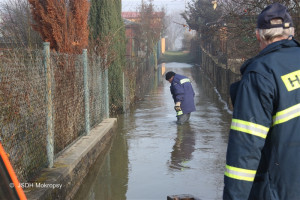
182	90
263	155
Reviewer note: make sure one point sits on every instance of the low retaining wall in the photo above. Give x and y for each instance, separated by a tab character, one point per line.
64	179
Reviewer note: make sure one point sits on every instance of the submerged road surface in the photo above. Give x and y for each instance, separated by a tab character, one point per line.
152	157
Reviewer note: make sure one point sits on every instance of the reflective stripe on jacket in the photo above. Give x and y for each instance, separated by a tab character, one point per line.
263	154
182	91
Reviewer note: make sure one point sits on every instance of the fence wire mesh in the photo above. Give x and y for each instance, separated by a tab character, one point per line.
24	105
140	78
68	99
23	111
37	93
221	72
97	90
48	100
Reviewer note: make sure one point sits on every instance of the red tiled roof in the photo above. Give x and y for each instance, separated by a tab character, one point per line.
132	15
128	15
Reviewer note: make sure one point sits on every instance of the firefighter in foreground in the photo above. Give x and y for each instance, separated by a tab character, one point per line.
183	96
263	158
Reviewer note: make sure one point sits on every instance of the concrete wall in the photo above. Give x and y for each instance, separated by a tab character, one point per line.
64	179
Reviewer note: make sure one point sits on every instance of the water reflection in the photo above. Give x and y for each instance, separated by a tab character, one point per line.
152	157
183	148
107	179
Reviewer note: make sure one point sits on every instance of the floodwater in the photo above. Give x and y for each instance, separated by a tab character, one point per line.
151	157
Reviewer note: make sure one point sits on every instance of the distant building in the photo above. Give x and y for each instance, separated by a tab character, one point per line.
136	47
135	17
132	45
131	16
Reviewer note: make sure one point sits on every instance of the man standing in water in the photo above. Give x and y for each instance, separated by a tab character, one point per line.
263	159
183	96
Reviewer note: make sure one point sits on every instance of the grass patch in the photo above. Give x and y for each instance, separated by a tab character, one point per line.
176	56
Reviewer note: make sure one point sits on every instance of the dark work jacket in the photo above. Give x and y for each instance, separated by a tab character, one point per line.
263	154
182	90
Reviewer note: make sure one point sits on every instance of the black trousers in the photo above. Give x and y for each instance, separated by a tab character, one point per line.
181	119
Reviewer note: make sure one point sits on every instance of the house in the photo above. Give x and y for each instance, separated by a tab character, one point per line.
132	24
132	44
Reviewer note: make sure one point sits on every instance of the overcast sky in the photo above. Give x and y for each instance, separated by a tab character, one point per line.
169	5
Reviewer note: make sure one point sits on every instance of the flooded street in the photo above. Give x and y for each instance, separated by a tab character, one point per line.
152	157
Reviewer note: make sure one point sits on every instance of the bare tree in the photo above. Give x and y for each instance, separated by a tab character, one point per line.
175	28
15	25
152	26
186	41
240	17
229	28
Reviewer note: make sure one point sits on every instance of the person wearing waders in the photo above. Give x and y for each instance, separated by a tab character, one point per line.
263	153
183	96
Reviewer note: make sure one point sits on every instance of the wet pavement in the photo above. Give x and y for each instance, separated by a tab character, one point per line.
152	157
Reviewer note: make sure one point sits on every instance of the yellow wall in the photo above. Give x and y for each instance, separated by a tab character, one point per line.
163	45
163	69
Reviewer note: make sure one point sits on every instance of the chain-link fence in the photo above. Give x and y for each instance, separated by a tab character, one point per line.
48	100
140	76
221	70
23	110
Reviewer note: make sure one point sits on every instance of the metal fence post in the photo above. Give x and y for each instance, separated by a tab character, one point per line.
124	95
86	91
106	94
101	91
49	112
101	88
